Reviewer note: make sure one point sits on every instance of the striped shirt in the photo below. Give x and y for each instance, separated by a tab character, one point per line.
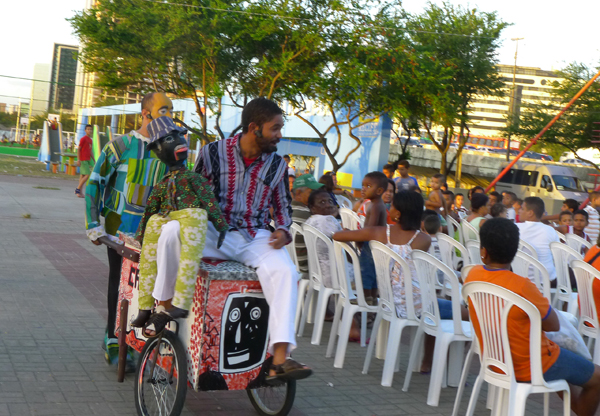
593	228
245	194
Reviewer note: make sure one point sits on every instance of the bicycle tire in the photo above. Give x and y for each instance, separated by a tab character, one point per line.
260	399
170	347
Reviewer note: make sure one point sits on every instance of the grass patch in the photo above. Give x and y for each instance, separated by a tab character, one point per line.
28	166
47	187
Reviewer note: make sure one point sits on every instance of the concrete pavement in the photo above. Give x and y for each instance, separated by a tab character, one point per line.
52	319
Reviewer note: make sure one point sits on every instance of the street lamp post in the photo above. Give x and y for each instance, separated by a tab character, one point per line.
514	95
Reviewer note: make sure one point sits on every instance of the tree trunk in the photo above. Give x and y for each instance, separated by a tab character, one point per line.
458	175
444	154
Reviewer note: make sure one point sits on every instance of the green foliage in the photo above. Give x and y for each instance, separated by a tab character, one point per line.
575	129
8	120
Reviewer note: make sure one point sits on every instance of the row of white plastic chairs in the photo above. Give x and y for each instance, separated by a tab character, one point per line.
350	302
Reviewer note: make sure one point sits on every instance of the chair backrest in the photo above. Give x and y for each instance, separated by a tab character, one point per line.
562	237
525	265
576	242
474	248
295	229
586	275
343	251
384	258
456	226
350	219
527	248
343	202
491	305
427	267
448	248
312	237
563	255
464	272
469	231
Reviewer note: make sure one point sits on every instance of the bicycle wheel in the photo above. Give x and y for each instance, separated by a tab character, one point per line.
273	400
161	382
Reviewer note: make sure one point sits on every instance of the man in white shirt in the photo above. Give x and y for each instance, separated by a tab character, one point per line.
539	235
593	228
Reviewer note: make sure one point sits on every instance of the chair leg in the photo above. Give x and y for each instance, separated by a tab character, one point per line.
393	349
363	329
474	395
371	347
307	302
455	359
546	404
463	379
339	307
566	402
320	316
440	356
413	357
340	353
302	289
596	354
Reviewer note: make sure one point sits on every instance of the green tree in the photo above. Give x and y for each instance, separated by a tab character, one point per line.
464	43
575	129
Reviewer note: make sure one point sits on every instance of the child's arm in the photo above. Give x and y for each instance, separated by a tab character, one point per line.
209	202
562	229
364	234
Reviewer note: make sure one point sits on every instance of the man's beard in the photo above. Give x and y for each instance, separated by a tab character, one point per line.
266	146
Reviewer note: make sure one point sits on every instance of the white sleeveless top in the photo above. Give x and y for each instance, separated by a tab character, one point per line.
398	281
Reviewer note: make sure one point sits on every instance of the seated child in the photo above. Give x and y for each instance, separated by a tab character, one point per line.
517	207
565	219
432	225
580	221
508	199
499	245
182	199
499	211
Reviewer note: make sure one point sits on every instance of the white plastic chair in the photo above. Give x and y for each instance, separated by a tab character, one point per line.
445	331
563	255
464	272
561	236
348	304
343	202
350	219
312	237
455	226
576	242
492	304
303	282
589	326
528	248
448	248
525	265
384	258
474	248
469	231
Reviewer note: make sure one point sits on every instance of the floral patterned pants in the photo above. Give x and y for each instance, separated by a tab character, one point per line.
192	236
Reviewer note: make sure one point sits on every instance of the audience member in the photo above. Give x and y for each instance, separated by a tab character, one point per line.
405	182
436	199
291	179
327	180
495	198
475	190
580	221
388	170
303	187
517	207
565	218
479	209
508	199
539	235
569	205
388	197
498	211
458	206
499	245
430	223
593	229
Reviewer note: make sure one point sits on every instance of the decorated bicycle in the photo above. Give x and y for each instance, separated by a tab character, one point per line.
203	324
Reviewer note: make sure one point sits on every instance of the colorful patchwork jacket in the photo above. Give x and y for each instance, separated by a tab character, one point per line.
120	185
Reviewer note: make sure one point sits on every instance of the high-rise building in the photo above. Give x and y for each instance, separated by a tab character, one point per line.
40	89
63	76
489	115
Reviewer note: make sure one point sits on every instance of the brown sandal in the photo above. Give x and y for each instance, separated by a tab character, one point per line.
289	370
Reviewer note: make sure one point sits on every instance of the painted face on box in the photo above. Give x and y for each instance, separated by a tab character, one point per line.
244	332
161	106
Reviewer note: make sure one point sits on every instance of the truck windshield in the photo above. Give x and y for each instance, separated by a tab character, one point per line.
567	183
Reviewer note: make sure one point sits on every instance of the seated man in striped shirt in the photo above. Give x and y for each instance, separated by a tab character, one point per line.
248	179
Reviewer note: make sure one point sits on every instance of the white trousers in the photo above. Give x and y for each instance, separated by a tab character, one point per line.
168	252
275	269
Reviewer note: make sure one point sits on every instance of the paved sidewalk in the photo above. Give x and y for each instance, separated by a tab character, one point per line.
52	318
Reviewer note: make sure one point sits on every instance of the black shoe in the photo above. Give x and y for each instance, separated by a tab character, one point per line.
142	318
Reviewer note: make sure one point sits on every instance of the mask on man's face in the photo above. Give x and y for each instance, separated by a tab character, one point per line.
171	150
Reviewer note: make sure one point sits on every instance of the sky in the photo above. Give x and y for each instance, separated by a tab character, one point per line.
554	34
